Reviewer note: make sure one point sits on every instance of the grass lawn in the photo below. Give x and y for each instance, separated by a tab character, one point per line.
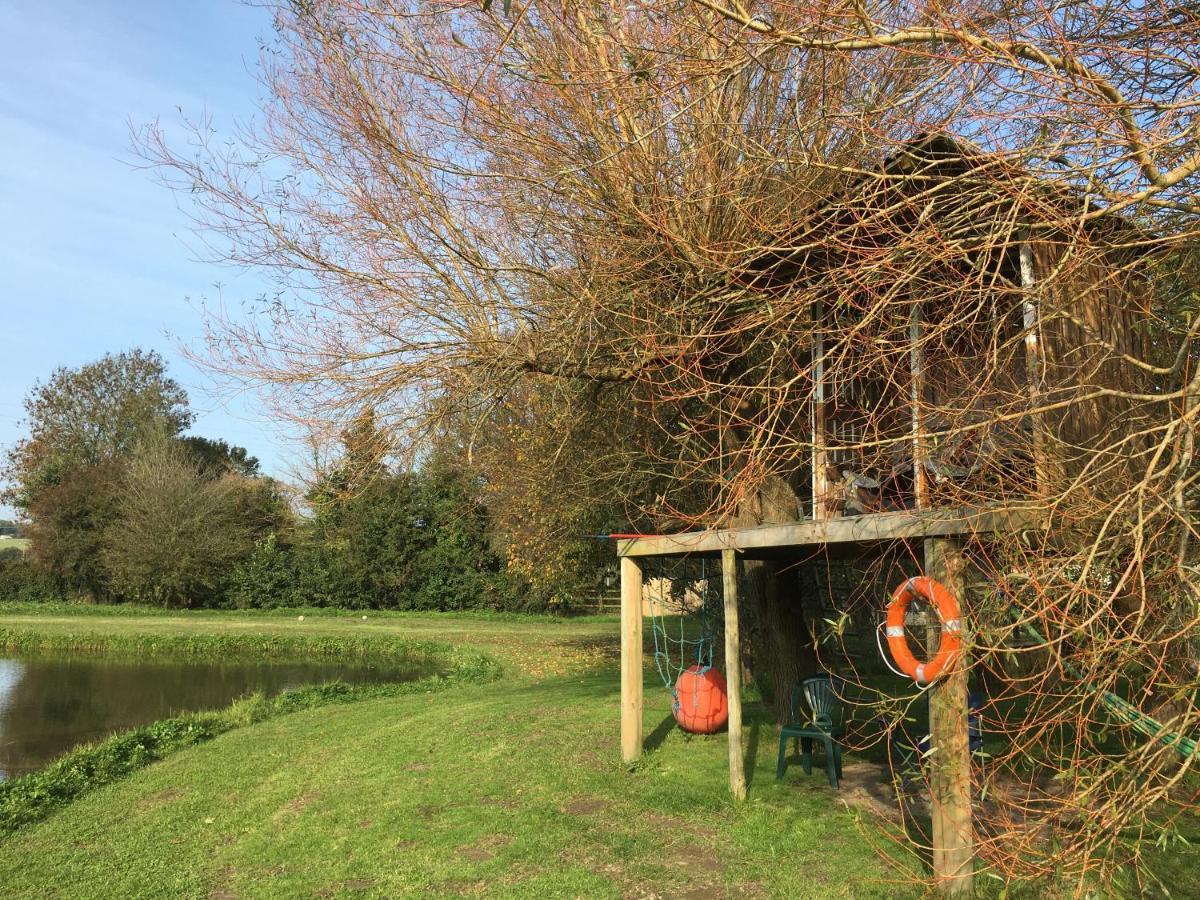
531	646
508	789
21	544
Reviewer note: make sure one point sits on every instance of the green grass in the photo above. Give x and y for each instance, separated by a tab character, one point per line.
21	544
530	645
415	655
33	797
509	789
512	788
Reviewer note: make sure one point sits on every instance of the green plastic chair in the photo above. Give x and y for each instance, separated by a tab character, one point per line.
823	694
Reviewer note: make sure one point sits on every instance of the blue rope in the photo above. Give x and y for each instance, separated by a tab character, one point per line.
665	643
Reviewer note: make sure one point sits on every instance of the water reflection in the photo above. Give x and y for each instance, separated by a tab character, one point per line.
50	704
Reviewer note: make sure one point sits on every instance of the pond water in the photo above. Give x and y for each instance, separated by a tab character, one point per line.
50	704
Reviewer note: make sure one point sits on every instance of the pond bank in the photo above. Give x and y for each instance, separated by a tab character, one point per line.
526	646
31	797
35	796
511	788
85	638
52	703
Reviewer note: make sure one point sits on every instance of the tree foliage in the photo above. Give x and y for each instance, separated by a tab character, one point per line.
217	457
68	520
725	217
177	532
90	416
120	505
381	539
553	472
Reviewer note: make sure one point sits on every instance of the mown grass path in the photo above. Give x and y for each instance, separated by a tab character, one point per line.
529	647
510	789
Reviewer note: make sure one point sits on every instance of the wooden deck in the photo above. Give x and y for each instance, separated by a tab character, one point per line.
891	526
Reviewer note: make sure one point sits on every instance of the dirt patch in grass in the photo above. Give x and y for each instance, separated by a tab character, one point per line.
460	887
723	891
585	806
595	761
221	890
697	860
160	798
296	806
354	884
485	849
678	824
868	786
502	802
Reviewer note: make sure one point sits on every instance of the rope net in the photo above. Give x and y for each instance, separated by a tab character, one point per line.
685	608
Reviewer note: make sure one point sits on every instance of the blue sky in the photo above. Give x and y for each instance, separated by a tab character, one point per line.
94	255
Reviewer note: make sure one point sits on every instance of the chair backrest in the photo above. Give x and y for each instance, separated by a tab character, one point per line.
823	693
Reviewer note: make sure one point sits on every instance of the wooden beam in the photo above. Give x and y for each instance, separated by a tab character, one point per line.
820	456
950	755
631	659
1033	361
733	674
916	360
889	526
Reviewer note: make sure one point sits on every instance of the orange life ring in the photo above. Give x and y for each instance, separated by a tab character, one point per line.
947	608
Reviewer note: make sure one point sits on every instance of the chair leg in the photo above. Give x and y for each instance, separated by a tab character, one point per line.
831	766
781	766
806	755
837	758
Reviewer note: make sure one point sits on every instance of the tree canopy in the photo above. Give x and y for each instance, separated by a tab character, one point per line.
90	416
692	224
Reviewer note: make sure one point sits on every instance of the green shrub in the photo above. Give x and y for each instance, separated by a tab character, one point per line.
21	581
406	541
177	533
265	579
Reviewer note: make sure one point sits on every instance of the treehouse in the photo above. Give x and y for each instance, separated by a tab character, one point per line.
968	322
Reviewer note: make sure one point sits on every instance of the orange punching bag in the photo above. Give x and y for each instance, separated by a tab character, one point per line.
701	700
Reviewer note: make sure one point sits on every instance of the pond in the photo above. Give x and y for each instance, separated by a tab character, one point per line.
49	704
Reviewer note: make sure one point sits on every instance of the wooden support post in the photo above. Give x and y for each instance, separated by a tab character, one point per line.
916	361
950	759
631	659
733	674
1033	362
820	456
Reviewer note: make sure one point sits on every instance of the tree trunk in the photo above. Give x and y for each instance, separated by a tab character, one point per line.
776	639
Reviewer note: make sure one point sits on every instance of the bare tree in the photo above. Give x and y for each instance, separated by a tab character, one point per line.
668	202
177	531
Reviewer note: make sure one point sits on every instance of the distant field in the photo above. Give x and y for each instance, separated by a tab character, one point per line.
14	543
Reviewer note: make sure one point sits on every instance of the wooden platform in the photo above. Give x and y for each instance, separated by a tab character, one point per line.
891	526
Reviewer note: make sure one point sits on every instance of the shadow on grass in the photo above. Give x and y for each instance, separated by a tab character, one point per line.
750	759
655	739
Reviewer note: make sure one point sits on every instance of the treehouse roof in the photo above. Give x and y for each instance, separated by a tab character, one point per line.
981	203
